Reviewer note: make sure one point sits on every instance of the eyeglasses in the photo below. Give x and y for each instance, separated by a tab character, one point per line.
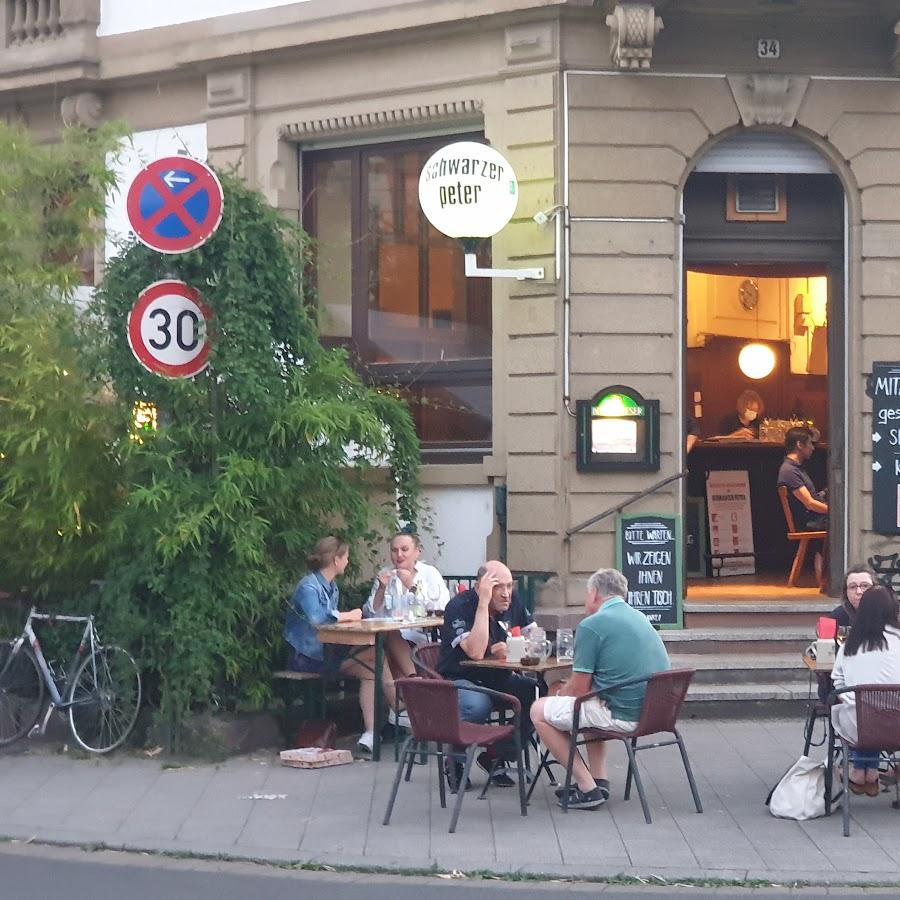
862	586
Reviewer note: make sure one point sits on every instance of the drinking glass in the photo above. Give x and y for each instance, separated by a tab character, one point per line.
565	644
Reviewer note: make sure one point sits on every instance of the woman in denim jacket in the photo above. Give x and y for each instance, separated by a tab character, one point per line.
314	603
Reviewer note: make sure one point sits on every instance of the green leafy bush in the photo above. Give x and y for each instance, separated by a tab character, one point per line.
276	444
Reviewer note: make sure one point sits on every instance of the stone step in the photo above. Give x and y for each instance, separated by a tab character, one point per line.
750	700
736	669
769	639
751	613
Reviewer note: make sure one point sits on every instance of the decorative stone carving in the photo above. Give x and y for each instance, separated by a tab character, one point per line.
768	99
85	109
633	28
229	89
457	111
530	42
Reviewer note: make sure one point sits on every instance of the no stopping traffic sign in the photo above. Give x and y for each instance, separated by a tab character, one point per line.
175	204
167	330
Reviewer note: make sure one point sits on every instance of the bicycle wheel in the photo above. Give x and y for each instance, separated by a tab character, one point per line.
21	693
104	699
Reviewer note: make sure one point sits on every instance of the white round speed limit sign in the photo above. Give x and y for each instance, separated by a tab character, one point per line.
167	330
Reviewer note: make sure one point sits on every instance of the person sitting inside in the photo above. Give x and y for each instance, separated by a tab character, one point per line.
808	506
870	655
407	582
314	603
613	643
475	626
744	422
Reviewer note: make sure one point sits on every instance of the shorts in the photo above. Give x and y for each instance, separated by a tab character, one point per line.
559	712
333	657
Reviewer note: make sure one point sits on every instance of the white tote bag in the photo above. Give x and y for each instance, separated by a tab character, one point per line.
801	792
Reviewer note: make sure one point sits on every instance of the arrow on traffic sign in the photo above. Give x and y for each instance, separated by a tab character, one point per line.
171	179
876	466
876	437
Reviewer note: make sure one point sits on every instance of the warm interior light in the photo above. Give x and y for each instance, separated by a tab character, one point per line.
756	360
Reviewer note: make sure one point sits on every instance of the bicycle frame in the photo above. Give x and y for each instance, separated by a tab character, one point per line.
88	639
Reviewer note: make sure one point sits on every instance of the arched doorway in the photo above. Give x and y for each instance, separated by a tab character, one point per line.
764	257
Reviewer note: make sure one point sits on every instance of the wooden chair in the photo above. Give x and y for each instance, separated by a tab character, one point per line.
878	728
433	707
803	537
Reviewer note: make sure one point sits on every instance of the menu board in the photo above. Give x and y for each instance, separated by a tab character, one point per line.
649	553
884	389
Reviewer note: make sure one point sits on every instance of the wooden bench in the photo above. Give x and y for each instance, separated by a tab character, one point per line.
312	688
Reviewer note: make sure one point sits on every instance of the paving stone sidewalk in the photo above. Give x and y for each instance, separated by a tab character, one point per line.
252	807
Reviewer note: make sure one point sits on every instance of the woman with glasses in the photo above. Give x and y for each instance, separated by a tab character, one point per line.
870	655
857	581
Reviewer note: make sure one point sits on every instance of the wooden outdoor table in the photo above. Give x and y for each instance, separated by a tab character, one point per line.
545	665
813	666
370	633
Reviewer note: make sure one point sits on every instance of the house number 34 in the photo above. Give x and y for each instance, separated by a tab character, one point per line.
768	48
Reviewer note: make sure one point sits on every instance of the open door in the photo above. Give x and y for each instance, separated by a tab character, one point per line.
837	427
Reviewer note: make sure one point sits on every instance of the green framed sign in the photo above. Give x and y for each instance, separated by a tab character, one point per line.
650	553
617	430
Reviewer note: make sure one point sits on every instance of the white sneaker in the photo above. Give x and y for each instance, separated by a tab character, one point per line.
366	742
401	718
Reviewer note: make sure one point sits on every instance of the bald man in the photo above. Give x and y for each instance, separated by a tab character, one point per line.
476	622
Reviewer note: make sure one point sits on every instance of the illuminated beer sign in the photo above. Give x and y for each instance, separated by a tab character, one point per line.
468	190
617	429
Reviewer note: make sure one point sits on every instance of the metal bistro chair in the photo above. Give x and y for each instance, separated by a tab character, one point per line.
877	727
803	537
659	712
425	659
433	708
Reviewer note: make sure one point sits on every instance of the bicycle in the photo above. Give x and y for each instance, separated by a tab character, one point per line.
100	691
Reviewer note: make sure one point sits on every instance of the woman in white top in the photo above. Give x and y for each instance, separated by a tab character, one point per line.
870	655
407	581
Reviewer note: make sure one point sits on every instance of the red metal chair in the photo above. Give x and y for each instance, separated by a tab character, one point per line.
659	712
877	728
425	659
433	707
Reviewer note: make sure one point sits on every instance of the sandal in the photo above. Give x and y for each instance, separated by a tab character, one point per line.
872	789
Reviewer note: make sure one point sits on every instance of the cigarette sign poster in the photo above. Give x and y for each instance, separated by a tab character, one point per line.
730	522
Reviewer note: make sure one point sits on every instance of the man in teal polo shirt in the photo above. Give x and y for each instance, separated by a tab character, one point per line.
614	643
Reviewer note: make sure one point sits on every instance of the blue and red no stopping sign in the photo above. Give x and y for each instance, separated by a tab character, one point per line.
175	204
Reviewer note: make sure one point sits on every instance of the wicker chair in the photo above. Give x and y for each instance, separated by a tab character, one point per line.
433	707
659	712
877	727
425	659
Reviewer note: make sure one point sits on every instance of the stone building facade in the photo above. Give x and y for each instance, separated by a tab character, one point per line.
604	109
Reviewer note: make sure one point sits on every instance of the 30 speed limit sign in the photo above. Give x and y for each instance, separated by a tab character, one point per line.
167	329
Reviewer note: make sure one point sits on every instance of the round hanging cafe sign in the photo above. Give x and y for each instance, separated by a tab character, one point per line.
468	190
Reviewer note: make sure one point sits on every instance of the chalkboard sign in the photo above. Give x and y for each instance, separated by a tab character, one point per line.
649	553
884	389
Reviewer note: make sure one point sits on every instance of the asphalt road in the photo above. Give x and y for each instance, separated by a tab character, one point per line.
39	873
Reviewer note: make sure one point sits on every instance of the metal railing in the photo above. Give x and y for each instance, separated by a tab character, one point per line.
633	498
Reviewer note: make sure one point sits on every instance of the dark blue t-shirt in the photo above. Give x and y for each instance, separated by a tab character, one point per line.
792	475
459	619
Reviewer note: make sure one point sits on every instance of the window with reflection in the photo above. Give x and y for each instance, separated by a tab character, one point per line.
393	289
